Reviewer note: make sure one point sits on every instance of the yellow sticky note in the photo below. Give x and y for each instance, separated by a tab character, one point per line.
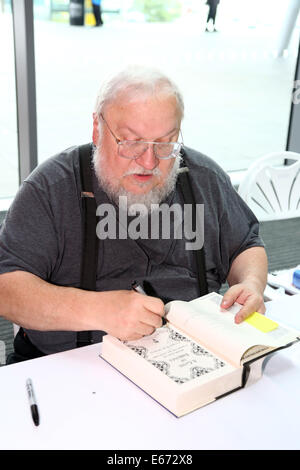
261	322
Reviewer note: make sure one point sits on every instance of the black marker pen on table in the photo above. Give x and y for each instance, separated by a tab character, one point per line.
138	288
32	402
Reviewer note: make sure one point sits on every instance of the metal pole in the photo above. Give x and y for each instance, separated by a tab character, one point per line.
288	27
25	85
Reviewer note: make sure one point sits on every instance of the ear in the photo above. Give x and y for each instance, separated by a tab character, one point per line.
95	129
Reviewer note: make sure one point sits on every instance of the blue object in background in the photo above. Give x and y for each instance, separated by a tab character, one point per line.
296	278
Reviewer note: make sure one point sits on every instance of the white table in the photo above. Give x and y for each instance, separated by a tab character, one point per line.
85	404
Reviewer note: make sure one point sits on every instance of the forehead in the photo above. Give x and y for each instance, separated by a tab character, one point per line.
147	117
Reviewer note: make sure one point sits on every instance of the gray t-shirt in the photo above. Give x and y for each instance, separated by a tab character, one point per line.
42	234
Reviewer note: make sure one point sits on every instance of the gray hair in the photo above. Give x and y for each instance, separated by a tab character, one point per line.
138	81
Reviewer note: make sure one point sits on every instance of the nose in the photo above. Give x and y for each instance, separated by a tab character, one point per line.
148	160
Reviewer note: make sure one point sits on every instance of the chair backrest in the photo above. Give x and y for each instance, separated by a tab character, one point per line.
272	189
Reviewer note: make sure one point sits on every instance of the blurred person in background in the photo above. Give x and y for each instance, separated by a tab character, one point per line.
97	12
212	13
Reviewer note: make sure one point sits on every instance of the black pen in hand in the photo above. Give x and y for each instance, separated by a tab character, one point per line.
32	402
138	288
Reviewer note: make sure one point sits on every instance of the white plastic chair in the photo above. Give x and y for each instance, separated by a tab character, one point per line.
272	189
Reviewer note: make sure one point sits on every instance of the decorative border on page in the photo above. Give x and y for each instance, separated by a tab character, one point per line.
175	355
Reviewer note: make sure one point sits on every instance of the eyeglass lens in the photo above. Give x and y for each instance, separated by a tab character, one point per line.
136	149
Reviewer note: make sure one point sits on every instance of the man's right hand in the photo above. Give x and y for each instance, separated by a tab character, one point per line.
129	315
124	314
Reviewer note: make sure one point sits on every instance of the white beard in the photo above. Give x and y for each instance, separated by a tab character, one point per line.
114	189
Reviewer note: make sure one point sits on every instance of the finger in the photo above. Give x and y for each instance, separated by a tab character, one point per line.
230	296
132	337
262	309
253	303
248	308
154	305
144	330
151	319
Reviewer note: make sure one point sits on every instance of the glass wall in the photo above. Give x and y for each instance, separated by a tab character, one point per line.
9	177
237	91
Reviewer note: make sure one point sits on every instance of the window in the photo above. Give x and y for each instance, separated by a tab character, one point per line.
9	178
237	92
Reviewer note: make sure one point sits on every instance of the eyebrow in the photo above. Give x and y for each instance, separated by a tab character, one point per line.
176	129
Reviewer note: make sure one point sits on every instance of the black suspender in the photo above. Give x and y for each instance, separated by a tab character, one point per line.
89	258
188	198
90	251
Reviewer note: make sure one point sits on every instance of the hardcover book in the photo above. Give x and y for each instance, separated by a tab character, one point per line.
199	355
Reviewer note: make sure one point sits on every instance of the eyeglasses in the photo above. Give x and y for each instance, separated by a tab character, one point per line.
133	149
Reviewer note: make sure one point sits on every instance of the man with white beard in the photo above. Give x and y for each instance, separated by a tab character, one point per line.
137	156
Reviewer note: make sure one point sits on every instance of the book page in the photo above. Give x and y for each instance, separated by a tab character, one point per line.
203	319
177	356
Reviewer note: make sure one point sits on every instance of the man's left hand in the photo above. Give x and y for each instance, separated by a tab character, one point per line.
251	301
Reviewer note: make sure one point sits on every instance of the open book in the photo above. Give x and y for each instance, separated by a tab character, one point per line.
198	356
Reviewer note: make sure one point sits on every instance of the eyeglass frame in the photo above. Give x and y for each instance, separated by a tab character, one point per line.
119	141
